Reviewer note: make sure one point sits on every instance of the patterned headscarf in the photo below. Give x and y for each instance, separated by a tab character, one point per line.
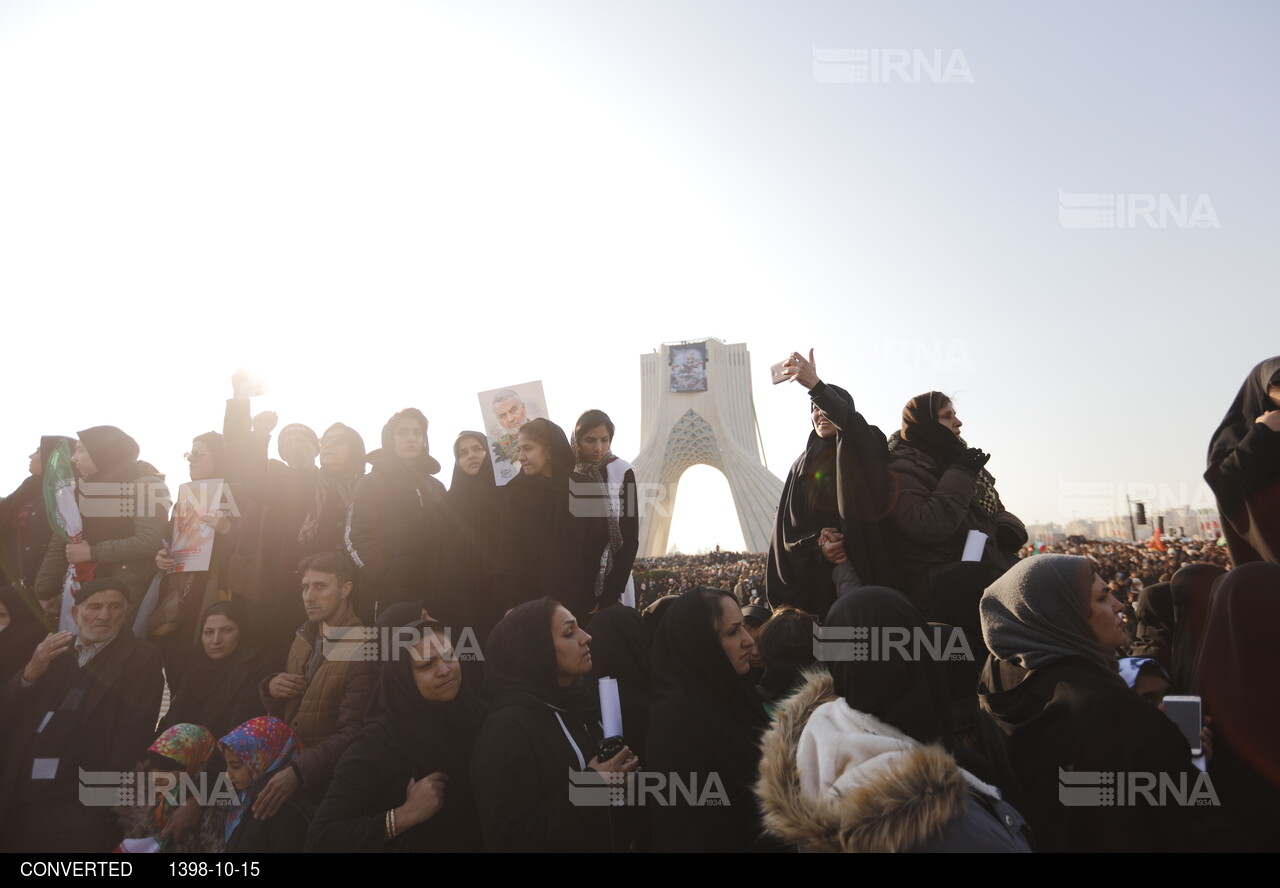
188	745
264	744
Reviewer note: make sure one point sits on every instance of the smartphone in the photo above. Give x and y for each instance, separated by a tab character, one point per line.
1185	713
776	374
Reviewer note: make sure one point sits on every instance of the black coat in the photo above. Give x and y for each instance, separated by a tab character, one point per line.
219	695
393	533
1244	470
117	710
705	726
520	772
274	501
283	832
535	743
1072	716
405	738
24	534
842	483
549	551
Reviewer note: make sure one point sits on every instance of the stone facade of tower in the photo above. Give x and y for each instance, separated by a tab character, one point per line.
715	428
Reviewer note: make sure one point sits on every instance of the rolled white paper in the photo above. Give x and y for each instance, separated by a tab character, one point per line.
610	707
974	545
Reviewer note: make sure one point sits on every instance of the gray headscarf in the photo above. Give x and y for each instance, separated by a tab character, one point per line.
1038	613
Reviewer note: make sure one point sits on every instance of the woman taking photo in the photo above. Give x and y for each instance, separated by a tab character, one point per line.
592	438
551	552
706	725
404	782
1244	467
943	491
1052	701
545	724
828	534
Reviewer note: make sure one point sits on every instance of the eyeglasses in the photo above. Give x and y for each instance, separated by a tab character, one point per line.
197	455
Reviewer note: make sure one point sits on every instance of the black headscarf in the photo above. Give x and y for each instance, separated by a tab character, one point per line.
689	660
424	729
620	649
910	695
1155	625
1192	590
425	463
921	429
561	454
464	486
520	664
26	629
553	549
840	482
212	690
654	613
109	448
1252	401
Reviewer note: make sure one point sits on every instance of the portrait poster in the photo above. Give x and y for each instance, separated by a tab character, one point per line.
198	503
688	366
504	411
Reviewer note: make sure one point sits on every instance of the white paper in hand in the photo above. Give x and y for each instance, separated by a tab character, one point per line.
610	707
974	545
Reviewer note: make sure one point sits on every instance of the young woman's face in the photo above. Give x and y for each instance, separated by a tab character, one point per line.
573	655
237	771
823	426
470	455
534	458
947	416
409	439
1273	391
594	443
436	670
734	638
220	637
33	464
200	464
1105	615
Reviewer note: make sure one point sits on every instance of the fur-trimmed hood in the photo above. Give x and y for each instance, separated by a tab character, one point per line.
874	790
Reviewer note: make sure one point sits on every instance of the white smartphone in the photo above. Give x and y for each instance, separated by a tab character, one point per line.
1185	713
776	374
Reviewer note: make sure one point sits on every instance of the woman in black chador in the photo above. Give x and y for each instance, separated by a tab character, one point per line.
828	530
1244	467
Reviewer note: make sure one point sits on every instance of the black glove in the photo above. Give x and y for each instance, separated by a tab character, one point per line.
1009	538
972	459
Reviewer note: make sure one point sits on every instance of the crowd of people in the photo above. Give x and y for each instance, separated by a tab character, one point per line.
742	573
373	661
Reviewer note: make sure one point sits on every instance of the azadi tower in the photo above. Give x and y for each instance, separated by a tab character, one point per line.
697	409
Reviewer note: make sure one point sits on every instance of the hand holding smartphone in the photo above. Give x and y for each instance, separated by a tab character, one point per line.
1185	713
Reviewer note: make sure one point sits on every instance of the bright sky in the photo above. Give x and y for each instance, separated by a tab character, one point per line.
382	204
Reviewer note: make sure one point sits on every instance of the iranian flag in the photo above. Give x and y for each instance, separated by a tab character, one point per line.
64	517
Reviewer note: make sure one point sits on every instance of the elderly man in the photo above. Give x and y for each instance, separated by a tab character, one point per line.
84	702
